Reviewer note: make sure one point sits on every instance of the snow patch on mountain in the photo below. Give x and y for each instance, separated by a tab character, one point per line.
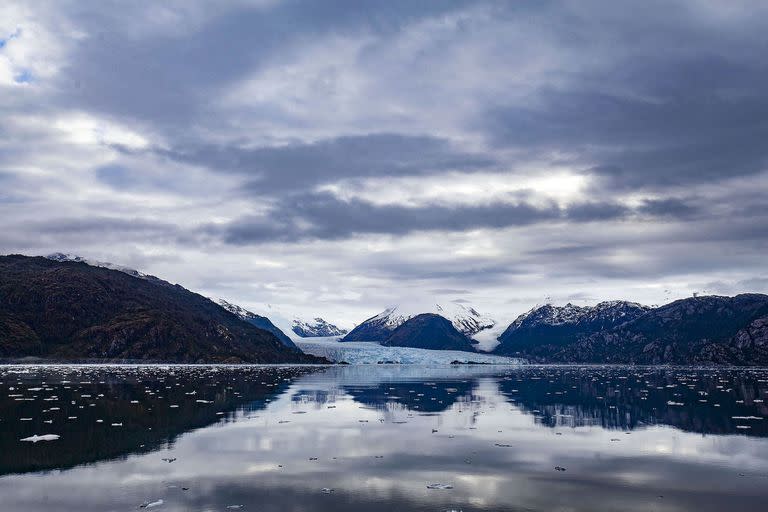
464	317
607	311
487	339
241	312
297	327
59	256
262	322
317	327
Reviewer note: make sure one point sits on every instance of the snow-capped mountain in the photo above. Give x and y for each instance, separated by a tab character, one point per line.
259	321
465	318
59	256
557	325
608	312
296	327
429	331
316	328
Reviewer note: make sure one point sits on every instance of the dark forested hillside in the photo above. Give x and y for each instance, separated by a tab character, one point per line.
69	310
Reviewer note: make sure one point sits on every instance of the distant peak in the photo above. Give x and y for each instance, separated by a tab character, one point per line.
315	328
464	317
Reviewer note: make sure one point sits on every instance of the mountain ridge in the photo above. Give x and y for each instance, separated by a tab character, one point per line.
708	329
544	328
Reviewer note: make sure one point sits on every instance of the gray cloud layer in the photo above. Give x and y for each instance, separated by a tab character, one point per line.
335	155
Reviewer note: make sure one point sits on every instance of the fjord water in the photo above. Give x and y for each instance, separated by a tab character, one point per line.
375	437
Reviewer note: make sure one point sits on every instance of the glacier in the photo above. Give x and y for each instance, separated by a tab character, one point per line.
365	352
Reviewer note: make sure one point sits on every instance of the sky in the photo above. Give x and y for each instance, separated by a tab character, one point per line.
337	157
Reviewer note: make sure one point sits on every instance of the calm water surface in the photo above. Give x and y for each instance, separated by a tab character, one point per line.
376	437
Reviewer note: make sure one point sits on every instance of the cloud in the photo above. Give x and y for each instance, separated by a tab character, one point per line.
325	216
331	157
670	207
272	170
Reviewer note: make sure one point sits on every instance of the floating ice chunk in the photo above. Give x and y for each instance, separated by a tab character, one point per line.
439	486
151	504
45	437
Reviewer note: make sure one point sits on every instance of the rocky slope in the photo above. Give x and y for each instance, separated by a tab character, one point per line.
697	330
66	310
464	318
259	321
428	331
545	329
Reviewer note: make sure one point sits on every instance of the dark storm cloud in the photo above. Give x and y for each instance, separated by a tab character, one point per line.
325	216
275	169
670	207
330	218
592	211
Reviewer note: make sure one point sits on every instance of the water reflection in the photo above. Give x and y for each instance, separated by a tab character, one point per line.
713	401
373	438
102	413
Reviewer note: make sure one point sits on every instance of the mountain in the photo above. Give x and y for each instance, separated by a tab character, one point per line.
316	328
429	331
306	329
297	327
259	321
464	318
59	256
68	310
697	330
544	329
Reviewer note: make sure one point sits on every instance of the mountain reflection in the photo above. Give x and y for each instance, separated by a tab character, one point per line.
707	401
718	401
103	413
107	412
